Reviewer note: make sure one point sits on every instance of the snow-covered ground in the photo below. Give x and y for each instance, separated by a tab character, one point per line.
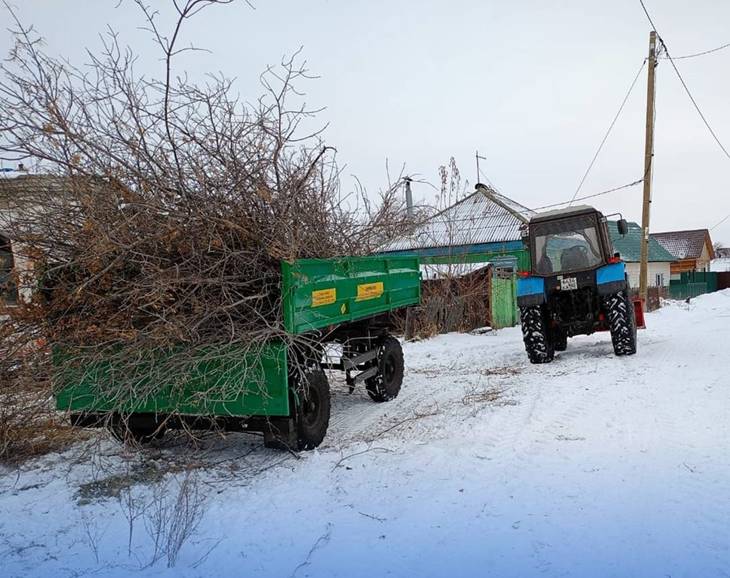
484	466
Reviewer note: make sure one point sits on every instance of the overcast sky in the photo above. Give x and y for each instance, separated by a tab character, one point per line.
533	85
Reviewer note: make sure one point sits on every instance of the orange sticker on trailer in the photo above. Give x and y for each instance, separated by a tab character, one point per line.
369	291
324	297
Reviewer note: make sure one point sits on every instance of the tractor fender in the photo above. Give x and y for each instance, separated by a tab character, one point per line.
611	278
530	291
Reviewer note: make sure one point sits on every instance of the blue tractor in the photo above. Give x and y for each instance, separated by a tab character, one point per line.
576	284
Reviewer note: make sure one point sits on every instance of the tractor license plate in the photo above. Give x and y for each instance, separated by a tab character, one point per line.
568	283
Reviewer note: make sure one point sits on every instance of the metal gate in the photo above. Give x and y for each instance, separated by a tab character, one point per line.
503	300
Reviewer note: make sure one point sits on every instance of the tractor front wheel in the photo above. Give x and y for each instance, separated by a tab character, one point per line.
535	335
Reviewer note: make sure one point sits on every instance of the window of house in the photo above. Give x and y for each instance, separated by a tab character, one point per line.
659	280
8	290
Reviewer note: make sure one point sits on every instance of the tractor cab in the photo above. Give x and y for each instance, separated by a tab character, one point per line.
569	241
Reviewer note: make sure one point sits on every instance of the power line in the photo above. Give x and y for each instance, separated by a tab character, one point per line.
481	173
626	186
720	223
702	53
651	21
697	107
608	132
684	84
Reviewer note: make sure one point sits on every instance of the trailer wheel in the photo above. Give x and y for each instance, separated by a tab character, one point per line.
535	335
621	322
131	434
385	386
313	410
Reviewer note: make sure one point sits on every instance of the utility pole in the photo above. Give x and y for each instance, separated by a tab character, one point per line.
648	161
409	197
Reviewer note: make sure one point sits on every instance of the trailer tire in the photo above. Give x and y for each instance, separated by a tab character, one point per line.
537	340
621	322
313	410
385	386
132	434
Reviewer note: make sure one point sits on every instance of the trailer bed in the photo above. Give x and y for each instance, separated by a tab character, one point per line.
229	381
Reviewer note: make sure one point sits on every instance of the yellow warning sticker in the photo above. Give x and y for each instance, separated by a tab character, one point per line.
369	291
324	297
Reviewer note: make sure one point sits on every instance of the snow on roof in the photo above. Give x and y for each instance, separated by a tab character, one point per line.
485	216
720	265
449	270
6	173
683	244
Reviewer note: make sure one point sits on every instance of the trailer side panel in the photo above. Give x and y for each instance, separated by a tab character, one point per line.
318	293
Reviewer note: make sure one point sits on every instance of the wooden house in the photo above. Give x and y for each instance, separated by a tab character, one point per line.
692	250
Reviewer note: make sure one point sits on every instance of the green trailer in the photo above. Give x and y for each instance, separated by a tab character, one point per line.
282	389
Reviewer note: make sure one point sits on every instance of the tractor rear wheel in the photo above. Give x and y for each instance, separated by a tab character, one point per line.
535	335
386	384
621	322
560	340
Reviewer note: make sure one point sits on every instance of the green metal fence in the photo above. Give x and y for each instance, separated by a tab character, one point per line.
693	283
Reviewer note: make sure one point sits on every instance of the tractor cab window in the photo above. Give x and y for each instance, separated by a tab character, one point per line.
566	245
8	290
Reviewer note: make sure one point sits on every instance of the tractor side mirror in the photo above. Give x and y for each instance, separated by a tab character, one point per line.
623	227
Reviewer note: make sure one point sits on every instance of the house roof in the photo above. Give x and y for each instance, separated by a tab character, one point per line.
24	195
13	183
485	216
24	192
629	246
685	244
18	188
